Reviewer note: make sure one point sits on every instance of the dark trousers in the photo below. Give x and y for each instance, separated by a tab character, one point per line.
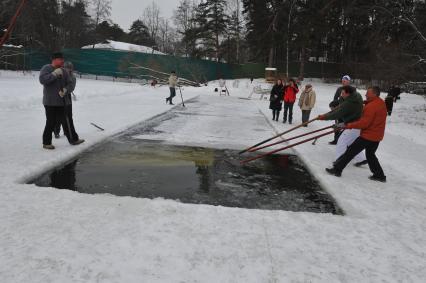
275	114
305	115
172	94
68	124
54	114
288	107
389	104
370	153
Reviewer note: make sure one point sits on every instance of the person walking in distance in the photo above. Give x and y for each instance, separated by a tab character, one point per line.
307	102
68	89
275	99
372	124
392	97
349	110
289	98
54	79
172	86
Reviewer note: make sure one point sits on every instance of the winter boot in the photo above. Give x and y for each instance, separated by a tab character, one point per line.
377	178
77	142
333	171
48	146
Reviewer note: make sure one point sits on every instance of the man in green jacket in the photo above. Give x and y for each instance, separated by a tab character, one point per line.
349	110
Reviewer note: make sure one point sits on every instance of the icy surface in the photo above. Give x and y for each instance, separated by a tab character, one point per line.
50	235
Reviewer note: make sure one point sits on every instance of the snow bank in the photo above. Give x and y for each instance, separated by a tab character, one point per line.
123	46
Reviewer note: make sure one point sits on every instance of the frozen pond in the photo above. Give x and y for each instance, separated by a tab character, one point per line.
152	169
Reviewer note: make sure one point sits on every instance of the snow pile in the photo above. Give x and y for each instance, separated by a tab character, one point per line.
123	46
50	235
12	46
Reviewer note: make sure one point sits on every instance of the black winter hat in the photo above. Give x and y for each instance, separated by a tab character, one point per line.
57	55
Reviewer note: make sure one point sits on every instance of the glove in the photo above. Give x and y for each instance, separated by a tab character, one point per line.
321	117
62	92
340	126
58	72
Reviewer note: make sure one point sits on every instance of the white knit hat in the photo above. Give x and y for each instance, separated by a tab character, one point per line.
346	77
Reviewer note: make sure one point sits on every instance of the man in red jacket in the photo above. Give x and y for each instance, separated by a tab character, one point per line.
372	124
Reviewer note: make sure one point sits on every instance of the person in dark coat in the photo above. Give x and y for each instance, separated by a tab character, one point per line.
391	98
275	99
54	79
289	98
395	91
68	89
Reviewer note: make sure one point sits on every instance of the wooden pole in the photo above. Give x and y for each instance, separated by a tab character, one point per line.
289	139
12	23
286	147
279	135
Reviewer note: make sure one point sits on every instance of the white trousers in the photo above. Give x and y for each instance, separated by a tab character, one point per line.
345	140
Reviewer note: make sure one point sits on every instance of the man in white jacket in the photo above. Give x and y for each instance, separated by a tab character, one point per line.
173	80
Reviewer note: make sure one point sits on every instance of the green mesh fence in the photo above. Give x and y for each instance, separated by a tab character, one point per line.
126	64
133	64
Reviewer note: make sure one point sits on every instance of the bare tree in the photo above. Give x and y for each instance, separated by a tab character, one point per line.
101	11
164	32
151	18
234	12
184	19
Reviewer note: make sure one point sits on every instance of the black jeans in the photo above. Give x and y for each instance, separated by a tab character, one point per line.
172	94
68	124
389	104
54	114
305	115
370	153
288	107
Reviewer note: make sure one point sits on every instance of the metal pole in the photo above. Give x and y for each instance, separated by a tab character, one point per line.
181	96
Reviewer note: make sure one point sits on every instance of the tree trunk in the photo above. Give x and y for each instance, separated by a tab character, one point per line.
271	57
302	63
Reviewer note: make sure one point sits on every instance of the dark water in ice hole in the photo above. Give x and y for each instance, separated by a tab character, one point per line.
140	168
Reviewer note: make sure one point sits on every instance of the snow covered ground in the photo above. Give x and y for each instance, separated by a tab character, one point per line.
50	235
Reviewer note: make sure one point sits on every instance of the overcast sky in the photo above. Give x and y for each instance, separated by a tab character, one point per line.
124	12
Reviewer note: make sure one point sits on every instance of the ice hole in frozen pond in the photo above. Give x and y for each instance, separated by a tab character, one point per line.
149	169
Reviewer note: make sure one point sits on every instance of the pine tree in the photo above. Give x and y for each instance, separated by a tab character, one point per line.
139	34
212	22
